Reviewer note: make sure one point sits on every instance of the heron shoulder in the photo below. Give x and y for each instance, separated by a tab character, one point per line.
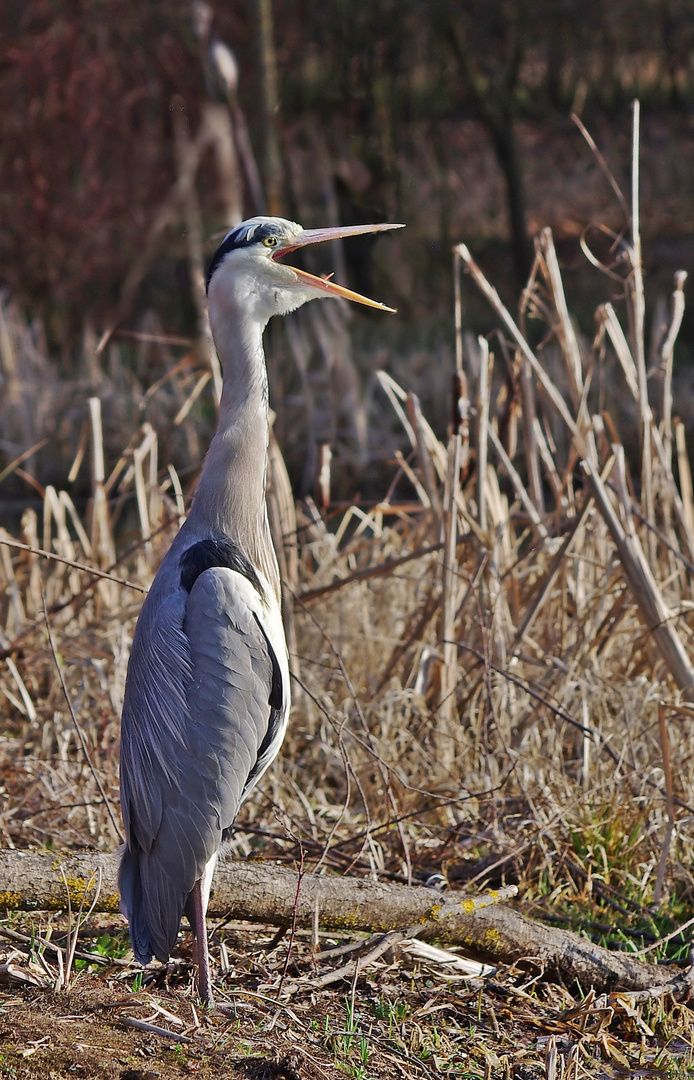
222	591
216	552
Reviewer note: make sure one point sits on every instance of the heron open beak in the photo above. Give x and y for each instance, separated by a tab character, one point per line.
317	236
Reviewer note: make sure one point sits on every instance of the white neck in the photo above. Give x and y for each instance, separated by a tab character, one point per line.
230	498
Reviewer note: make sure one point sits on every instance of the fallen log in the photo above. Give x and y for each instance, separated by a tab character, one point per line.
265	893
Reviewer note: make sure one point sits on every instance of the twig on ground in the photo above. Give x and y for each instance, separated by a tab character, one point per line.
152	1029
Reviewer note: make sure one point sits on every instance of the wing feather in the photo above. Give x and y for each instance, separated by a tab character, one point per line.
197	713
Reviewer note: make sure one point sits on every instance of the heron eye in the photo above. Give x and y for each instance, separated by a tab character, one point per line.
270	241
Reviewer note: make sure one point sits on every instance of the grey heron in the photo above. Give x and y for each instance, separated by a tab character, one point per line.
206	699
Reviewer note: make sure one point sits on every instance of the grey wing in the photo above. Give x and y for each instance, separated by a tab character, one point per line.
200	700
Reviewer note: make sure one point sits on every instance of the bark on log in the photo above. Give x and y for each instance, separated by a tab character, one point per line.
264	893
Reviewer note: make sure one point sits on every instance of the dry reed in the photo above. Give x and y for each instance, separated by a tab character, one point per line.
495	678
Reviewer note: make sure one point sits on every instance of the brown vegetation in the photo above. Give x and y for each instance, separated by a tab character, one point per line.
492	673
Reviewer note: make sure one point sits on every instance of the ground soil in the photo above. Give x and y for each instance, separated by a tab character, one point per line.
398	1018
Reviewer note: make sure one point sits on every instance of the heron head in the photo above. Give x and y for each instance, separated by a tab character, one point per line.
246	269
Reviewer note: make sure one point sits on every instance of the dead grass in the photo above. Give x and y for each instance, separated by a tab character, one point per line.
491	683
403	1018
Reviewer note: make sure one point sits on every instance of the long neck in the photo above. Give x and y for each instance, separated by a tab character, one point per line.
230	499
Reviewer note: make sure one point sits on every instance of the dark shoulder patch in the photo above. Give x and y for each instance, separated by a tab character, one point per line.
207	554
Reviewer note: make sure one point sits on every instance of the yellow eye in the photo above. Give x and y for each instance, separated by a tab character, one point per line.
270	241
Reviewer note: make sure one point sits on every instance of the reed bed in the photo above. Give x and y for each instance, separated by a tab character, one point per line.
492	664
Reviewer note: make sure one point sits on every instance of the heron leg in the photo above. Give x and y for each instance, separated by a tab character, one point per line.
200	931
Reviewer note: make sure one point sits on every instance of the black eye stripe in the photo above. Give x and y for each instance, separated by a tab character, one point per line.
244	235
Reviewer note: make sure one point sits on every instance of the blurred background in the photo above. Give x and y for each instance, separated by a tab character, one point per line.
133	135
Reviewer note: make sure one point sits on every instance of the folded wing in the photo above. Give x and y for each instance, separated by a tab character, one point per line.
204	713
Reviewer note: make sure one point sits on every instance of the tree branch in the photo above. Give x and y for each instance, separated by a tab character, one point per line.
268	894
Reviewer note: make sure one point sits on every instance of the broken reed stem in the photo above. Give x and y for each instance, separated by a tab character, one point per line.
667	350
655	613
548	461
608	317
16	611
486	363
530	445
449	670
458	312
414	413
518	485
103	548
396	395
639	307
686	487
543	378
564	327
669	802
